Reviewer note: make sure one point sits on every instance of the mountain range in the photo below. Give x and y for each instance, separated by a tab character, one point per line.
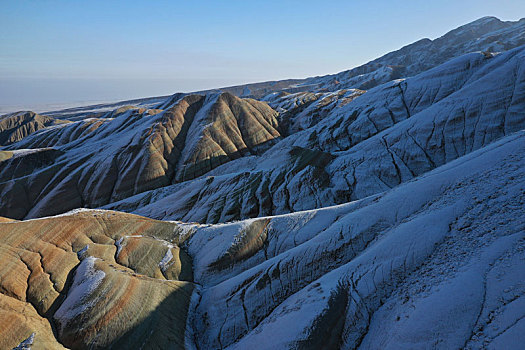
380	207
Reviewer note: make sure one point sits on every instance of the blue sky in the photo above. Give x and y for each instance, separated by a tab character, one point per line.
74	51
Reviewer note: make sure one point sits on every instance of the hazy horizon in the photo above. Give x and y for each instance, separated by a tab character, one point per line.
63	53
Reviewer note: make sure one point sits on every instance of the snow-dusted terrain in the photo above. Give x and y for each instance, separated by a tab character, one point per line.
378	208
433	263
390	134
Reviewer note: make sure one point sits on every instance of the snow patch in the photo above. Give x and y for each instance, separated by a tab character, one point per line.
26	344
165	262
118	244
82	251
86	280
24	152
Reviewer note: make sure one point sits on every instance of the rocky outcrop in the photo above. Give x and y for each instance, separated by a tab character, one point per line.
93	279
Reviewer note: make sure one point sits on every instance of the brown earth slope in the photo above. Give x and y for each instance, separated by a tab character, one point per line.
94	162
93	279
14	127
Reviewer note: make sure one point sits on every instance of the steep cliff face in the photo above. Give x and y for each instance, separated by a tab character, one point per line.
389	135
93	162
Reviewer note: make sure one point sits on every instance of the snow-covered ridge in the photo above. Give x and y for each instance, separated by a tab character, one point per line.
387	136
378	265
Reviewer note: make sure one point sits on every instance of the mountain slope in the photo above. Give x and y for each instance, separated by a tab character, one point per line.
322	216
93	162
363	274
16	126
93	279
485	34
436	262
385	137
405	128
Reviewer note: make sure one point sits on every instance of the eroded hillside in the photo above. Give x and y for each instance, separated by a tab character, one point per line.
387	136
93	162
93	279
360	275
381	207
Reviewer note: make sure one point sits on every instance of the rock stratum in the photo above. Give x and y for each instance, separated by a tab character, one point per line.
381	207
